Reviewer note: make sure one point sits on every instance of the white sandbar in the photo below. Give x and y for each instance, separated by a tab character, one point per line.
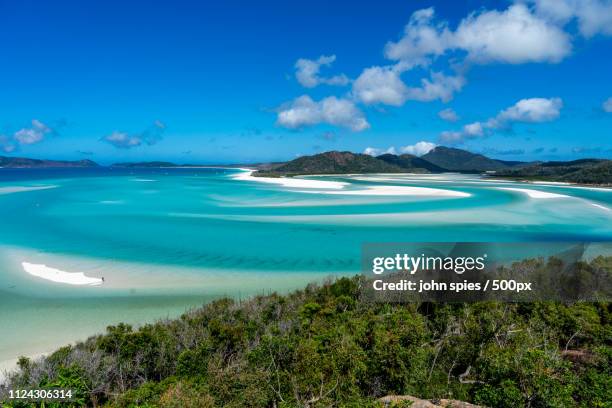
56	275
247	175
533	193
600	206
399	191
21	189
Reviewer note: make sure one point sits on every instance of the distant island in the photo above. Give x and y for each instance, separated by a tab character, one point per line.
445	159
22	162
439	160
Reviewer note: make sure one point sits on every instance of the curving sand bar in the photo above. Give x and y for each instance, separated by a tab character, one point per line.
534	193
56	275
399	191
294	182
22	189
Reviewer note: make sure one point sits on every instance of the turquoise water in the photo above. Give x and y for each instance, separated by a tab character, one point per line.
169	239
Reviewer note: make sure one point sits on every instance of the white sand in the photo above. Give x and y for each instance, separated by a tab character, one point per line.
600	206
560	183
56	275
292	182
534	193
21	189
398	191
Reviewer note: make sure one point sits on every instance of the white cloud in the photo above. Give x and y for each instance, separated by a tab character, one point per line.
421	40
149	136
380	85
307	72
419	148
384	85
515	36
440	87
531	110
451	137
448	115
34	134
373	151
607	105
473	129
593	16
303	111
122	140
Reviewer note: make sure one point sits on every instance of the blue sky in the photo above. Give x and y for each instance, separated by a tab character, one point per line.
237	81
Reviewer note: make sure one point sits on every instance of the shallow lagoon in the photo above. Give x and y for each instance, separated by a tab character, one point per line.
169	239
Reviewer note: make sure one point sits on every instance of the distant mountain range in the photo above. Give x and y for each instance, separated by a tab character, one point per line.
445	159
440	159
22	162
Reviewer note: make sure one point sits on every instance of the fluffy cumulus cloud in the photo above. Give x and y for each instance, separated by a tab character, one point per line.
448	115
307	72
512	36
419	148
304	111
440	87
124	140
380	85
422	39
33	134
383	85
531	110
373	151
593	16
607	105
29	135
515	35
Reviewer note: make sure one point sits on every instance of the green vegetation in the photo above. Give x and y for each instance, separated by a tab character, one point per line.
463	161
439	160
444	159
332	163
586	171
411	163
328	346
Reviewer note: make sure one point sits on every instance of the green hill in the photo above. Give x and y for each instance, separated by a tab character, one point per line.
460	160
584	171
411	163
333	163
